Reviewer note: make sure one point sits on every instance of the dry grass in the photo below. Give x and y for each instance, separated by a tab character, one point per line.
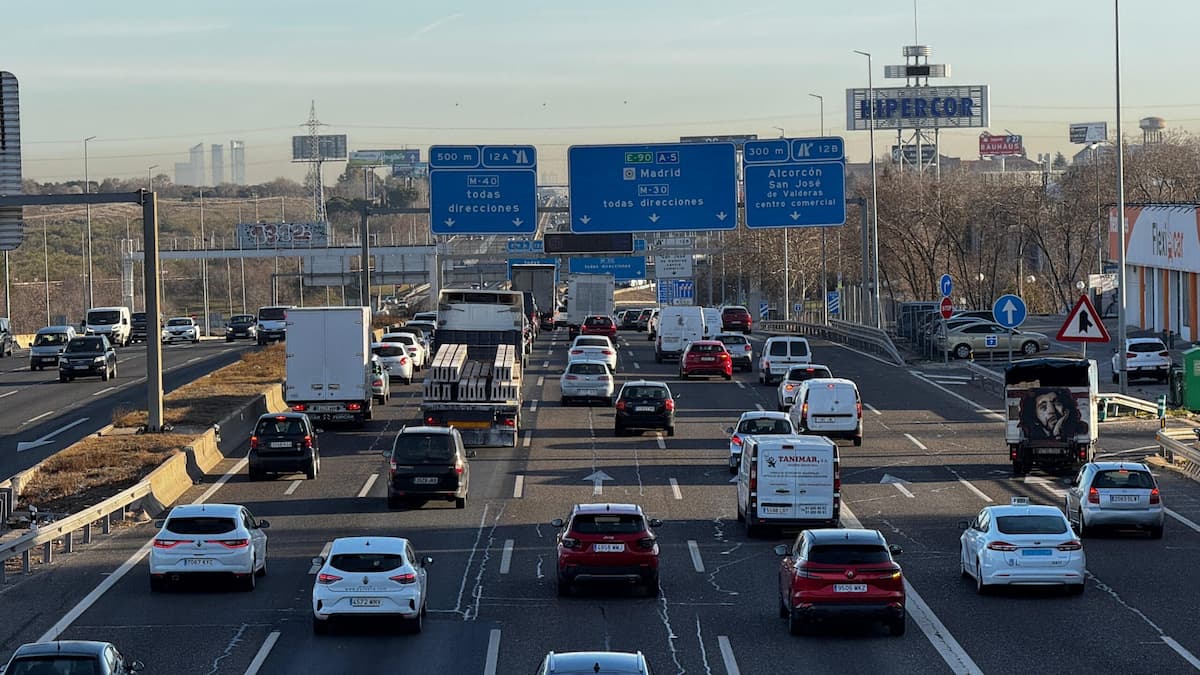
212	397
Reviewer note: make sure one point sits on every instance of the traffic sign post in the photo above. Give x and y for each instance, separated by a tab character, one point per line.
833	301
483	189
658	188
947	285
1084	325
763	310
795	182
946	308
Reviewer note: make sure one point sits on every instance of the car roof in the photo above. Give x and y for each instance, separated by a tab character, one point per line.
834	535
780	338
731	335
73	647
55	329
607	508
368	544
587	662
1024	510
763	415
1142	340
287	414
423	429
817	381
1128	466
645	383
797	441
812	366
734	307
399	334
177	318
598	362
187	510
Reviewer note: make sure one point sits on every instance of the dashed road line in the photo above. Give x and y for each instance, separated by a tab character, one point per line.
975	405
637	365
493	652
103	391
324	554
533	405
263	652
1182	519
506	556
545	364
731	667
759	406
34	419
541	380
675	489
292	488
8	393
694	550
917	443
966	483
741	385
872	408
367	486
662	444
528	437
519	486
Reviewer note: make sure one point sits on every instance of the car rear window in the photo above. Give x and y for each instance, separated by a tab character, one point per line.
272	314
82	345
798	348
733	340
765	426
201	524
848	554
389	350
778	348
807	373
1031	524
831	394
709	349
644	393
608	523
1147	347
55	664
1123	478
179	322
50	339
366	562
591	342
406	339
423	448
598	321
735	312
578	368
288	426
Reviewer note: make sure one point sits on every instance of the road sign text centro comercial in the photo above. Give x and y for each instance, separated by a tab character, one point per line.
795	182
483	189
662	187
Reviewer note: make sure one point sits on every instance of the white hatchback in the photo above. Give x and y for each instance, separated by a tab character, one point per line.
593	348
209	539
376	577
1144	357
395	360
1021	544
586	379
412	345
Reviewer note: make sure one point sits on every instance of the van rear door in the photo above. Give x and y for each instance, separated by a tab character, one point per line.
795	481
832	406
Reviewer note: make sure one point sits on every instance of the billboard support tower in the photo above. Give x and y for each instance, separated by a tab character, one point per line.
916	72
314	181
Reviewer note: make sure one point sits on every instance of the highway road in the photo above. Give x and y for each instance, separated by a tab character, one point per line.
493	606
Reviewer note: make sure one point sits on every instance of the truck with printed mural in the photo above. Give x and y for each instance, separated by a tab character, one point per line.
1050	413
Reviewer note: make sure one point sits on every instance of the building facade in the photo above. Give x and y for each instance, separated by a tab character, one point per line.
1162	266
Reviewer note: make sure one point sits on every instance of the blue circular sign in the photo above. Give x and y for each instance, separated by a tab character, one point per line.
1009	311
947	285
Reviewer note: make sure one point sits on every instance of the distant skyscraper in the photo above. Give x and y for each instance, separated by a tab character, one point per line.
218	164
183	173
196	155
237	161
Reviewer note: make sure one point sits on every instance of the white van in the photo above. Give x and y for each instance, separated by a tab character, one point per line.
778	356
677	326
789	480
828	406
712	322
115	323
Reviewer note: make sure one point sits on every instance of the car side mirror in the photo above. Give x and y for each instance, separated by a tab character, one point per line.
676	396
895	549
470	454
655	522
132	666
962	524
426	561
387	453
557	522
729	430
318	561
264	524
159	523
782	549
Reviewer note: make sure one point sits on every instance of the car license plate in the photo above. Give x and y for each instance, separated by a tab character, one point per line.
707	359
774	510
1123	499
471	425
425	480
80	367
320	407
197	562
608	548
1047	451
1036	551
366	602
823	420
643	408
850	588
281	444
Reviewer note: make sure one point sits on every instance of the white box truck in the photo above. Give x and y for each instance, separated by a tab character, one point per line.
328	363
540	279
588	295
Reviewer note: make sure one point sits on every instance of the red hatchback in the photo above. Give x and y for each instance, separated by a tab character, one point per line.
599	325
840	573
706	357
736	319
607	542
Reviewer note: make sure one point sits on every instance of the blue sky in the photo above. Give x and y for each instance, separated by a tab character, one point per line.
150	79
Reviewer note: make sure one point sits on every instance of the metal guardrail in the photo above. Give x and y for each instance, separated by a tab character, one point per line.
986	378
45	536
1118	401
1174	447
851	334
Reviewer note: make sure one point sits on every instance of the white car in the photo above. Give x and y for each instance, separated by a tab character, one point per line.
593	348
181	328
1021	544
779	354
375	577
395	360
1144	357
586	379
208	539
785	395
381	382
755	423
412	345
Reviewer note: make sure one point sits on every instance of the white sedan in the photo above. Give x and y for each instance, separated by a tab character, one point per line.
1021	544
755	423
374	577
181	328
593	348
395	360
412	345
586	379
209	539
785	395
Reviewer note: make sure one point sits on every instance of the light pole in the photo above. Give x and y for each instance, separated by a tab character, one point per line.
204	265
1120	150
787	263
874	192
150	177
824	269
87	189
46	264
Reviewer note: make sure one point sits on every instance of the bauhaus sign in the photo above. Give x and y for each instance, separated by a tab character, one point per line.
918	107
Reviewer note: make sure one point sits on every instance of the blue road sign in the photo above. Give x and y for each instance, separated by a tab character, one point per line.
623	268
483	189
991	341
683	289
797	307
763	310
795	182
533	261
1009	311
665	291
652	188
833	300
639	245
947	285
525	246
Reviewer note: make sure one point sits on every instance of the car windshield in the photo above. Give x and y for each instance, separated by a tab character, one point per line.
242	318
598	321
423	448
644	393
591	342
287	426
104	318
272	314
139	316
765	426
1123	478
707	348
55	664
201	524
1146	347
578	368
1031	524
50	339
608	523
359	563
179	322
85	345
848	554
385	351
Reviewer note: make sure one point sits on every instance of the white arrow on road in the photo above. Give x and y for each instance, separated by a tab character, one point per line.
722	216
517	222
1009	309
585	219
653	217
598	478
794	215
449	222
899	483
45	440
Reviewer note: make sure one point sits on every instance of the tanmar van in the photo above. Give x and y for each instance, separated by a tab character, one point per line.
789	480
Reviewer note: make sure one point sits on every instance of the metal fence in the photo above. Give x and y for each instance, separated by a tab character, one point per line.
865	338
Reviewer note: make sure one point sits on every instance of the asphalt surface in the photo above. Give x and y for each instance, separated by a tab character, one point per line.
493	605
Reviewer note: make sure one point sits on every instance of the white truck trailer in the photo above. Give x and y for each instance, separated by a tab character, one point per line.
328	363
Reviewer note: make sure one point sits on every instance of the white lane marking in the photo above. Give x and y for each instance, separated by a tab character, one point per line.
133	560
741	385
265	650
506	556
324	554
872	409
8	393
1180	650
103	391
519	487
541	380
903	490
1046	484
969	485
939	636
637	365
694	550
493	652
675	489
662	444
731	666
29	445
545	364
940	376
759	406
367	486
550	352
1182	519
975	405
1118	453
198	358
528	437
917	443
34	419
292	488
533	405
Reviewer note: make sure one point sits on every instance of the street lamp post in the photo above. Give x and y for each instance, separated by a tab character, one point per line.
787	263
874	192
1120	150
150	177
824	269
46	264
87	188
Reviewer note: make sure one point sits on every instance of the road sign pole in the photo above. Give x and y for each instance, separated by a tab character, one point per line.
787	274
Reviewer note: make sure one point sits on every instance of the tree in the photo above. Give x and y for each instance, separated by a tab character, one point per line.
1060	161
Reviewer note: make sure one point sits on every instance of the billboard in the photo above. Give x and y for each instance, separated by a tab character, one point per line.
12	218
282	235
1159	236
331	147
361	158
950	107
1089	132
1003	145
928	153
417	170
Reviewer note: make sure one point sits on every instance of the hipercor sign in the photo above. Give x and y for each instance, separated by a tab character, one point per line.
953	107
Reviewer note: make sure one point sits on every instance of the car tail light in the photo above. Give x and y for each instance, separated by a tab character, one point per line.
377	383
803	572
459	468
669	404
403	360
858	408
1012	453
405	578
510	421
736	440
753	485
327	579
1001	546
429	421
299	407
789	387
1164	353
167	543
308	442
353	406
621	404
837	476
748	348
570	377
1093	496
1130	355
576	351
724	356
606	352
804	413
1072	545
571	543
229	543
254	442
1155	498
646	543
602	378
1083	453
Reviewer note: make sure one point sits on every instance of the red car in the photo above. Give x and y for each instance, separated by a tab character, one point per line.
840	573
736	318
607	542
599	325
706	357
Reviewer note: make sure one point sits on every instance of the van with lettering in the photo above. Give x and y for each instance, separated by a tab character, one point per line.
789	481
677	326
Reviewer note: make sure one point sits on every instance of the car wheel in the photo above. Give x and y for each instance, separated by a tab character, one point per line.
564	587
1116	378
1156	532
320	626
249	582
683	375
671	430
1029	348
1083	530
651	587
980	587
783	608
796	624
732	469
564	401
1075	589
728	376
897	626
262	571
741	517
416	623
311	472
229	339
158	584
104	375
962	351
460	502
255	474
857	441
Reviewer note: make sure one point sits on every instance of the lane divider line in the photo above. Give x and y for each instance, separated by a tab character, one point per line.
292	488
528	437
637	365
662	444
533	405
1182	519
969	485
545	364
263	652
731	666
367	486
8	393
541	380
872	408
675	489
741	385
759	406
103	391
917	443
519	486
493	652
506	556
694	550
34	419
975	405
324	554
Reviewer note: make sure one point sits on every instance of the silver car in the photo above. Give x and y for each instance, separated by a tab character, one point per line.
989	337
1115	494
586	379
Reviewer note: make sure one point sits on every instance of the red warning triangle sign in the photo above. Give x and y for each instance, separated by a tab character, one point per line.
1083	324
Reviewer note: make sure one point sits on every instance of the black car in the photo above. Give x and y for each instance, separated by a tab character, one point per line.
88	356
241	326
428	463
642	322
644	405
629	319
137	327
284	443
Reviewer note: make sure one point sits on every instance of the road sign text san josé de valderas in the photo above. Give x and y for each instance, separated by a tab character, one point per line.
795	182
483	189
